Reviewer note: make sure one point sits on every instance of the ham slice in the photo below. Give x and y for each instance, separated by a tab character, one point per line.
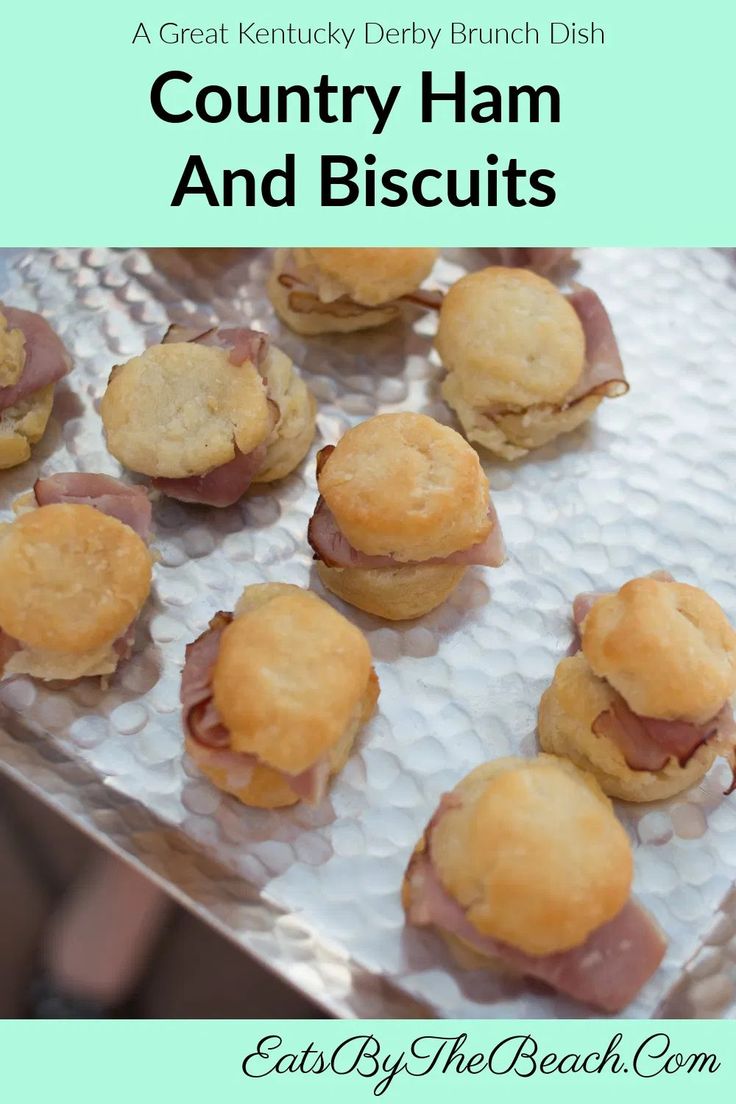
128	504
46	359
201	720
332	547
606	971
648	743
243	343
221	486
540	260
203	724
304	298
603	373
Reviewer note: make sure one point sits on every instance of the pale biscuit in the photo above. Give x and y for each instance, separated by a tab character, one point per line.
290	678
407	486
181	409
72	579
567	712
305	313
395	593
370	277
511	337
295	429
533	853
24	425
513	435
666	647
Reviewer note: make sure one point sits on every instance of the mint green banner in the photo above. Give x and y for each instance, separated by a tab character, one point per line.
191	1062
394	123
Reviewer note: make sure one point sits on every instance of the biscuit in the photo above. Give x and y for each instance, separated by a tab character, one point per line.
291	678
295	429
567	712
666	647
533	853
511	338
181	409
72	579
370	277
24	425
406	486
395	593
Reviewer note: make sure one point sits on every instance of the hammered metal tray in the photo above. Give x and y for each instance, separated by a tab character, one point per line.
314	893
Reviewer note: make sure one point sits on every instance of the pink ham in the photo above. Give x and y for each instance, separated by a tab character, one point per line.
539	260
221	486
606	971
128	504
428	298
648	743
603	373
46	359
243	343
311	784
332	547
201	721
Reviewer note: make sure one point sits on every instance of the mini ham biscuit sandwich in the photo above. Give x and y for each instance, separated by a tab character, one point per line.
644	705
273	696
207	414
32	361
525	868
403	512
319	291
524	362
75	572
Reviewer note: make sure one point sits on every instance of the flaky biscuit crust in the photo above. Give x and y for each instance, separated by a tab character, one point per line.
368	276
511	337
533	853
407	486
180	409
24	425
666	647
567	712
395	593
290	675
71	578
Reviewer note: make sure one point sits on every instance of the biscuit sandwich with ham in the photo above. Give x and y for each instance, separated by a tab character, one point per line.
206	414
645	701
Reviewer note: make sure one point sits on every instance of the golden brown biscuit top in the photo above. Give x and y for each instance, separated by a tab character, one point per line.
289	677
532	851
368	276
666	647
404	485
71	578
12	353
181	409
512	337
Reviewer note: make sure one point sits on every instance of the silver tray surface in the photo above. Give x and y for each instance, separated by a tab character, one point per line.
314	893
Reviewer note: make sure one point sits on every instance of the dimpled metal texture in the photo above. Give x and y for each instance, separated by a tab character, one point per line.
315	892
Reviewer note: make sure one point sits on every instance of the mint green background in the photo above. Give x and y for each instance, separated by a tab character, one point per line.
200	1062
644	154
